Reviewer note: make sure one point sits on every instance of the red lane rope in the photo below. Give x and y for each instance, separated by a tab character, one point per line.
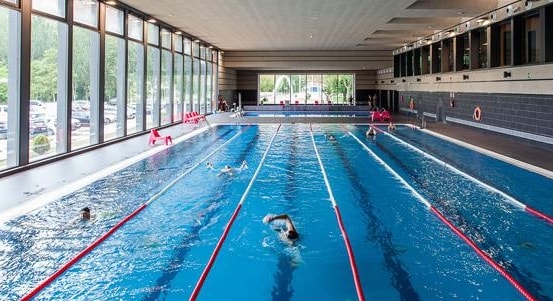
207	268
352	263
538	214
485	256
81	254
527	208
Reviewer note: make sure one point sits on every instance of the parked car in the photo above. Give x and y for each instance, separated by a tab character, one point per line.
37	127
82	116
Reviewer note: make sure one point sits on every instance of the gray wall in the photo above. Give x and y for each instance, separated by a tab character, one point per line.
521	115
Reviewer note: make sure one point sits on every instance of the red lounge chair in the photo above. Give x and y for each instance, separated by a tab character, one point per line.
154	136
385	116
297	102
316	102
375	116
282	103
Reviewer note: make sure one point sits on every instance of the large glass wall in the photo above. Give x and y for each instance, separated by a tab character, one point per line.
10	45
135	85
115	106
300	89
187	83
48	88
150	76
166	83
85	76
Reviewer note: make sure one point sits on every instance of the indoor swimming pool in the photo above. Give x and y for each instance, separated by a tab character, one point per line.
402	216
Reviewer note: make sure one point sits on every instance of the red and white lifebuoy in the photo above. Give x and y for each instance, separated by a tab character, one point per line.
477	115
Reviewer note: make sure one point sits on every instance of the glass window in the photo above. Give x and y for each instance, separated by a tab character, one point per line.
505	44
266	89
463	52
436	58
85	104
202	86
166	39
299	91
114	90
208	54
114	20
48	88
531	49
178	42
153	34
208	87
202	52
196	85
135	84
178	87
215	56
86	12
447	51
480	41
53	7
187	84
166	81
12	1
426	59
10	47
282	89
196	48
136	27
215	85
187	46
314	89
152	87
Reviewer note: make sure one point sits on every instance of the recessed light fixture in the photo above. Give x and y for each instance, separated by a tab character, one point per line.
196	41
152	20
111	2
178	32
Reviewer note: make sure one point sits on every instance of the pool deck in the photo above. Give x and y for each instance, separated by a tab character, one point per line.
27	190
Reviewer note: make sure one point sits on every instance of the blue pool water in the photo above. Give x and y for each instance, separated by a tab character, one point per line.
402	250
308	114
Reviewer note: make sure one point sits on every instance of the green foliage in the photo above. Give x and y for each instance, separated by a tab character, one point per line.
41	144
266	83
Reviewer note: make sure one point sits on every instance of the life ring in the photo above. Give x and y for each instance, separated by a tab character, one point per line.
477	115
411	104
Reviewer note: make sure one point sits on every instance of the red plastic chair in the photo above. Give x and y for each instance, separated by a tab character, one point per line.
154	136
316	102
385	116
376	116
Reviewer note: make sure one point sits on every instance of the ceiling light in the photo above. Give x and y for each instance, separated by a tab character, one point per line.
196	41
152	20
111	2
178	32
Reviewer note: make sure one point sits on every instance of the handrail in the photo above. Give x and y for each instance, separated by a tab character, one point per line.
465	238
223	237
353	265
103	237
509	198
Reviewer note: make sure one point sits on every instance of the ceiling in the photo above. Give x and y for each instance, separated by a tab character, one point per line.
303	25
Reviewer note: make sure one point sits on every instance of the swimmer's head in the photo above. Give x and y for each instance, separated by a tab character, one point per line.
292	235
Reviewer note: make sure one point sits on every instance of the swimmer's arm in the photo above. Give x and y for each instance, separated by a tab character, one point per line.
286	218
